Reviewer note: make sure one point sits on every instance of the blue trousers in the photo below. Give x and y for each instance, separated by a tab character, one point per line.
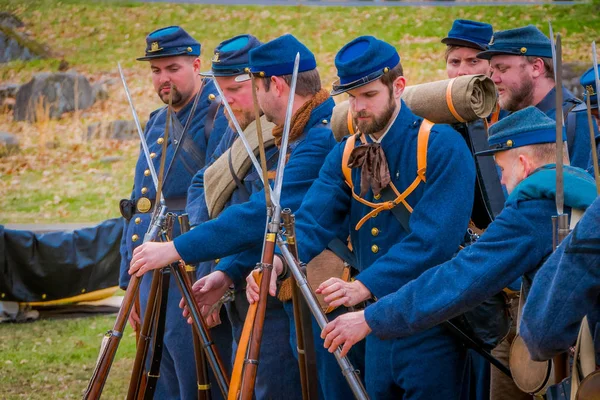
332	383
278	376
178	365
429	365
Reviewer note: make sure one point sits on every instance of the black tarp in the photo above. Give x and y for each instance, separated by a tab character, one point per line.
51	266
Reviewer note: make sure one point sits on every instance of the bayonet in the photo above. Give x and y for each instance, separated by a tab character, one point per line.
139	129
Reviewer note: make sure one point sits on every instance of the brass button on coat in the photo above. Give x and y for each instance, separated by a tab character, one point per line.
217	260
152	155
375	248
374	231
134	238
147	172
138	220
377	196
144	190
160	140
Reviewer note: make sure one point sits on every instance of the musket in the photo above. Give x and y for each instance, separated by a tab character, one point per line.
112	338
307	358
201	366
236	375
560	222
348	370
152	317
589	114
249	373
266	265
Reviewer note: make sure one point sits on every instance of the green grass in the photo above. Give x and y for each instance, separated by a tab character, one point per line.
55	358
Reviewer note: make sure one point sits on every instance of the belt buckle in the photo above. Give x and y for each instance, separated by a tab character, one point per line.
143	205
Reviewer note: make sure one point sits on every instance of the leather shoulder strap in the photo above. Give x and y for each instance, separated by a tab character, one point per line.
422	143
348	147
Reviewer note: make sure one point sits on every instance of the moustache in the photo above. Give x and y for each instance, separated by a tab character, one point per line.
167	86
362	114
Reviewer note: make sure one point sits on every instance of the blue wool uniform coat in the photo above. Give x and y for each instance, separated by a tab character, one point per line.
193	155
177	378
580	147
388	256
515	244
241	226
278	355
566	288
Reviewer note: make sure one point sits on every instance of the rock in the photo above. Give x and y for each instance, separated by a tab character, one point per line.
8	92
9	144
51	95
100	88
10	21
119	130
571	73
17	46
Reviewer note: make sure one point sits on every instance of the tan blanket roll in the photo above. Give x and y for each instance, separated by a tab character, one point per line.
218	182
470	97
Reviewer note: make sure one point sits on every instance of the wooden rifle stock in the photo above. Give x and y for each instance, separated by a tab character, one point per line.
307	361
111	342
240	355
251	362
137	372
201	367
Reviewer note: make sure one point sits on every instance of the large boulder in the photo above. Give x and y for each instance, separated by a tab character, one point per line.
119	130
51	95
9	144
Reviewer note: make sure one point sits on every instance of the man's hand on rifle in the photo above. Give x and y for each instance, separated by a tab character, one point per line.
338	292
152	255
207	292
347	330
252	289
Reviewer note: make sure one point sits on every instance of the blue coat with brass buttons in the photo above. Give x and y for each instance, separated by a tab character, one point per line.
241	227
514	245
194	152
388	256
566	288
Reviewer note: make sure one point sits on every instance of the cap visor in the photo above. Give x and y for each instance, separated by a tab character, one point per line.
463	43
339	89
489	152
488	54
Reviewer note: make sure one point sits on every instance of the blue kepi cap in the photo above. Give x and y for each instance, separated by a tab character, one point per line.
363	60
169	42
466	33
231	57
525	127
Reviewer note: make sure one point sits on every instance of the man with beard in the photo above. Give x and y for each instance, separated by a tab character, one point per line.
389	173
227	180
522	69
515	244
240	227
173	57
